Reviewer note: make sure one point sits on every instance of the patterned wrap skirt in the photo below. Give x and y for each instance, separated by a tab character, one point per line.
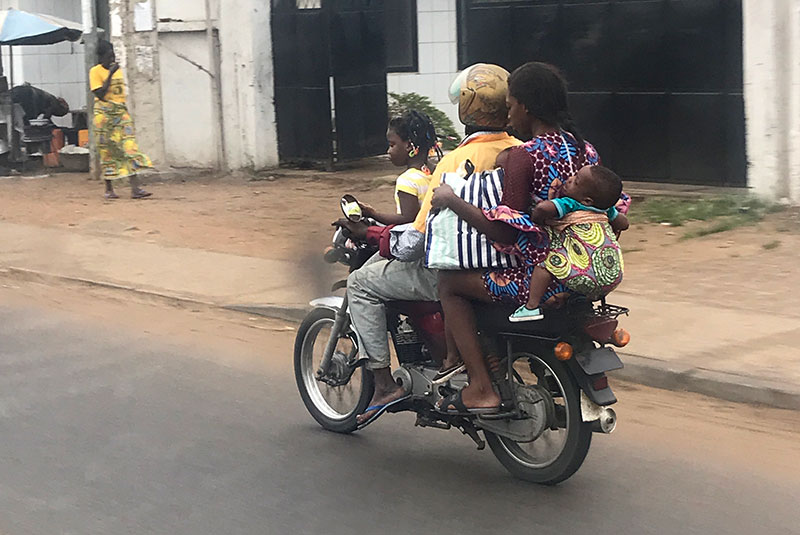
116	141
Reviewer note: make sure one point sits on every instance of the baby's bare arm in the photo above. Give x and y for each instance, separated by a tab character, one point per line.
619	224
543	211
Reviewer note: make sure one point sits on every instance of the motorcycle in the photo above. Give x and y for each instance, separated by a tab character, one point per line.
550	374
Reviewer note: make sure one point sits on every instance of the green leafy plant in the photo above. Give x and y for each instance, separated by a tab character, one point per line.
399	103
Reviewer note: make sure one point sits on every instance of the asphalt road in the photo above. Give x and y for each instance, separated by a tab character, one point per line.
119	416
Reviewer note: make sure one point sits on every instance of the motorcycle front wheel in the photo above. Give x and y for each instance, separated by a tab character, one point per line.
334	407
557	453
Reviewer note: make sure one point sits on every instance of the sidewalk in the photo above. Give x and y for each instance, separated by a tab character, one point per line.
717	350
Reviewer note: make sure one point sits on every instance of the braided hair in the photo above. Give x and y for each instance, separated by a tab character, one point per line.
416	128
542	89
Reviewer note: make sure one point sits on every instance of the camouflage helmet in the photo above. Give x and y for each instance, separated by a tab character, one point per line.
480	91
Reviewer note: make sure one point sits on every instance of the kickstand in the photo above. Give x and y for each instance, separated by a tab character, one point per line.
468	429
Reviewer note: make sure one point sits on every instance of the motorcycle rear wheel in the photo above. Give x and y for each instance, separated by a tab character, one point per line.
324	402
573	439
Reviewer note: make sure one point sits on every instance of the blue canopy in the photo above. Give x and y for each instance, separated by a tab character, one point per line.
23	28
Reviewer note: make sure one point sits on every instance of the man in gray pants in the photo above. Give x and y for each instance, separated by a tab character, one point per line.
398	273
369	288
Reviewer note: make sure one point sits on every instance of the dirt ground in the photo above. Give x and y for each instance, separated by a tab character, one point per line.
287	214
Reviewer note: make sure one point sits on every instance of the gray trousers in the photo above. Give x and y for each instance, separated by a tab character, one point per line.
370	287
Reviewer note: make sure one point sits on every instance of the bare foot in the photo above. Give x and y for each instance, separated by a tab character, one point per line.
378	399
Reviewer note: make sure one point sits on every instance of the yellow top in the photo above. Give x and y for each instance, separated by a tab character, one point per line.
116	90
481	150
412	181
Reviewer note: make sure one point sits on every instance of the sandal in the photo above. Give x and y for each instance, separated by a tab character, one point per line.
459	409
380	410
140	194
442	376
110	195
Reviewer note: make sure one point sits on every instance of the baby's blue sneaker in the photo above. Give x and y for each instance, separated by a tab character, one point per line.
524	313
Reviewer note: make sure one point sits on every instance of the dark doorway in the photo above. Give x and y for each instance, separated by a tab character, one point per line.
330	78
655	84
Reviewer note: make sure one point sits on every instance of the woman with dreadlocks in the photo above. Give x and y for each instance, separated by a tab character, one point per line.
410	137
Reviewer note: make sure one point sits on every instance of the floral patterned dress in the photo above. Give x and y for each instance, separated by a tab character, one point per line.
535	171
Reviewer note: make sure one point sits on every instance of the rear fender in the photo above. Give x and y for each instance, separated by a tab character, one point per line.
589	368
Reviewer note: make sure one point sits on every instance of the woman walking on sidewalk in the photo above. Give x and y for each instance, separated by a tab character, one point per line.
117	148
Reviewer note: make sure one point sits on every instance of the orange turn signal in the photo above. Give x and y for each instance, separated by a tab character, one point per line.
563	351
620	338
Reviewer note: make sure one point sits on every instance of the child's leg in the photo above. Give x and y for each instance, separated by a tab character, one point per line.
540	280
453	358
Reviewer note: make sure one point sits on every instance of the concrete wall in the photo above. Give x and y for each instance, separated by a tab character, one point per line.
437	53
187	101
58	69
172	98
248	90
772	97
137	54
182	10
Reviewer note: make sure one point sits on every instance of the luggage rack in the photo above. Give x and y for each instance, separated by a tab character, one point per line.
607	310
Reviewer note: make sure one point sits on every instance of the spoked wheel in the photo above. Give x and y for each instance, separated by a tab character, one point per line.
334	407
559	452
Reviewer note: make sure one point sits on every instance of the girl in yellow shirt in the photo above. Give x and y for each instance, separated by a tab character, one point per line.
116	142
411	138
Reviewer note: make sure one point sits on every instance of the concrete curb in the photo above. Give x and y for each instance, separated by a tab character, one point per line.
638	369
282	312
292	313
40	276
726	386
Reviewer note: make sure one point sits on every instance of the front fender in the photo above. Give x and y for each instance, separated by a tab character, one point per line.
332	302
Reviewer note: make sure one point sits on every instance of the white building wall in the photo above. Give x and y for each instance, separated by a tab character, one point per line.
793	137
58	69
183	106
248	90
182	10
437	57
187	100
771	95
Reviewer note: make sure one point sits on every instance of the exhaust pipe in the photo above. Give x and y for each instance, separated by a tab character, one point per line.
607	421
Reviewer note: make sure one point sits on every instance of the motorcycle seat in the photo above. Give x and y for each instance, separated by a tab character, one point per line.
493	317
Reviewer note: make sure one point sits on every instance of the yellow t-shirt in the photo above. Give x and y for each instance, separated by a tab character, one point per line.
116	90
412	181
481	150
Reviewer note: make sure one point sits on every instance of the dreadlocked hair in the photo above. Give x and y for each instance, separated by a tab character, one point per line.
542	89
417	128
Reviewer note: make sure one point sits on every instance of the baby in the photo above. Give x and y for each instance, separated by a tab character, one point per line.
583	226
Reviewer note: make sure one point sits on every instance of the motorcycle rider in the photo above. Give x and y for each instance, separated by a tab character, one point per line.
398	273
